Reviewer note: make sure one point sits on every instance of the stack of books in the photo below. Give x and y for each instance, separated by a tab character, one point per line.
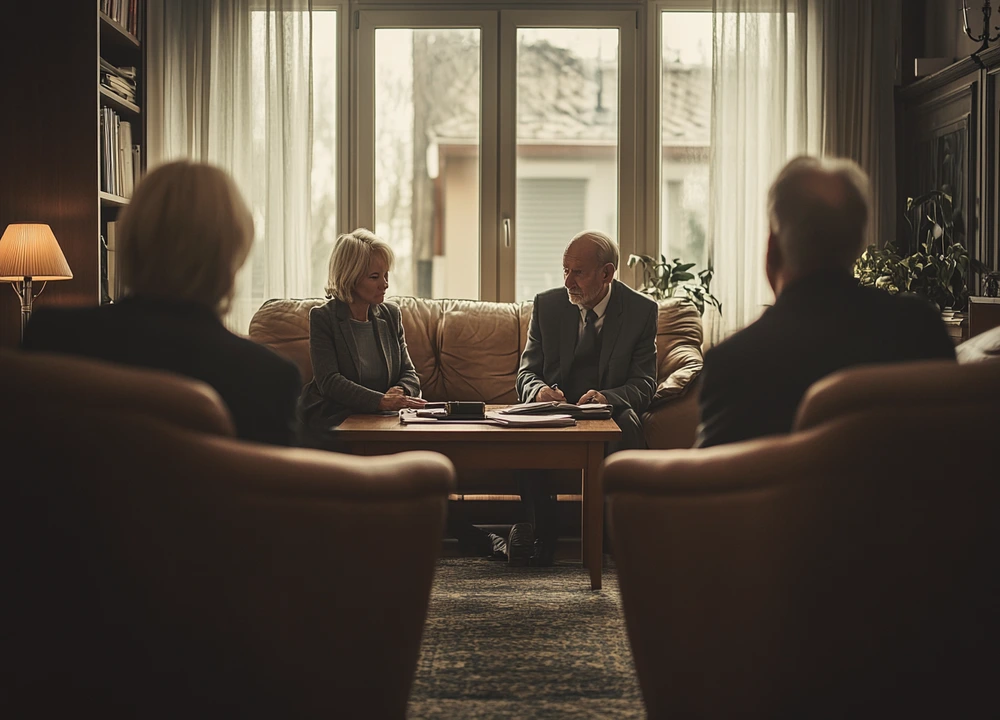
119	80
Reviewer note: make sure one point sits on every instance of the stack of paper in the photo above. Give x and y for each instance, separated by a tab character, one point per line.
411	416
547	420
586	411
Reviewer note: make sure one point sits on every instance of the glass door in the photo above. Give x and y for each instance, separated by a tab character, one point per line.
486	140
426	130
567	140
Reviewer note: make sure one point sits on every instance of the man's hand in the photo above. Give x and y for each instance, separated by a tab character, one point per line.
549	394
394	399
592	396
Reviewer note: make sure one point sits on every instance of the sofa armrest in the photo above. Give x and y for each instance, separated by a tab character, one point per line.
673	423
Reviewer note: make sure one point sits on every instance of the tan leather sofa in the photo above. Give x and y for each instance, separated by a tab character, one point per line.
468	350
844	570
155	566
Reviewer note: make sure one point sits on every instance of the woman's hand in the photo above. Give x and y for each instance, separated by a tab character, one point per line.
395	399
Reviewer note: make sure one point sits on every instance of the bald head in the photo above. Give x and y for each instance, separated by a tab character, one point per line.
596	244
818	212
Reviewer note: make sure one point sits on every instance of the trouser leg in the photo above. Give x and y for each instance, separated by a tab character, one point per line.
632	437
539	503
470	538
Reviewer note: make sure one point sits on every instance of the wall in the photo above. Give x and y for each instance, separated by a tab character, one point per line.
944	35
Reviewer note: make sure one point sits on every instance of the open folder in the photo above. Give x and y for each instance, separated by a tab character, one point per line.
410	416
586	411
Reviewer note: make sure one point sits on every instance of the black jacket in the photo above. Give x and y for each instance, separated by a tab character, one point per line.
334	393
259	387
752	383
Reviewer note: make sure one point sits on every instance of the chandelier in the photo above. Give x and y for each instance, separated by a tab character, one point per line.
985	38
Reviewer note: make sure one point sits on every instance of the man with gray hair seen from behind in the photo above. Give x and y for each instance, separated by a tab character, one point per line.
592	340
821	320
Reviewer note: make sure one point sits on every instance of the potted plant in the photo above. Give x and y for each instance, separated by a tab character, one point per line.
939	269
661	280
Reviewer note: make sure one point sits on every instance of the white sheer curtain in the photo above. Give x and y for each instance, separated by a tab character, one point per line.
230	83
793	77
765	106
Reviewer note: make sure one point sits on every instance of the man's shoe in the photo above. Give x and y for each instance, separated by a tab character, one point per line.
543	553
520	544
498	549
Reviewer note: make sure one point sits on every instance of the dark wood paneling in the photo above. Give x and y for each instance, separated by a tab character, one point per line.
48	142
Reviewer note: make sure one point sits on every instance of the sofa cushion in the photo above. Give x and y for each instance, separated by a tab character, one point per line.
464	349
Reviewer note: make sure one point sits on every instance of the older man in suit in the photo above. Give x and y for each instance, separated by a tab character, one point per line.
592	340
821	320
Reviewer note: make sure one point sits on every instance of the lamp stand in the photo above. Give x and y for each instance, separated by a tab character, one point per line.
23	290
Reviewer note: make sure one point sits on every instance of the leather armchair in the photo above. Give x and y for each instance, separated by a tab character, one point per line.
843	570
161	568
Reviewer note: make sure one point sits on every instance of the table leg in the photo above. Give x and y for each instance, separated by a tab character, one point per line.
593	508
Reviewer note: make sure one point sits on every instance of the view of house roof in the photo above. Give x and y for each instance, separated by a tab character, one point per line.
565	98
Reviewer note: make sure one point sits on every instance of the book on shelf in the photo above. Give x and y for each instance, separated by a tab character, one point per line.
111	269
120	157
123	12
125	154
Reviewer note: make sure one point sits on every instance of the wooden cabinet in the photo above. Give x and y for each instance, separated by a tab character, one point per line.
50	163
947	133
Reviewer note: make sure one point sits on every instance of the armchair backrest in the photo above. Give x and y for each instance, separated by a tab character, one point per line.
922	386
162	569
840	571
50	382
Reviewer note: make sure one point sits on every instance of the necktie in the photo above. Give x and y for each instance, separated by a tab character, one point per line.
589	340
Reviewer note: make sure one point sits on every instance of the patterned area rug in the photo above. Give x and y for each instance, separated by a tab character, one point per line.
506	642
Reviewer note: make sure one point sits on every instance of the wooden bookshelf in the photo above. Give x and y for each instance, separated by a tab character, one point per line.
50	164
120	104
112	201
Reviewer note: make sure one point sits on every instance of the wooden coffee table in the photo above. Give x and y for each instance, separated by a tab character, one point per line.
479	447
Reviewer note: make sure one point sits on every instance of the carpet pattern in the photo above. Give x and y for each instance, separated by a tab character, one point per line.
504	642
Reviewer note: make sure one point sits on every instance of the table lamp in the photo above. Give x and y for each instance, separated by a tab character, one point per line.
29	251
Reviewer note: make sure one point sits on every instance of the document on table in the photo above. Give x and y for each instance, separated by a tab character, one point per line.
410	416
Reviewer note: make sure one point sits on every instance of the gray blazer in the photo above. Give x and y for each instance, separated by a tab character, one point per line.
335	392
627	367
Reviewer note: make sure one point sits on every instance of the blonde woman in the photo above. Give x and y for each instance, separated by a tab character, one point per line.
181	240
356	343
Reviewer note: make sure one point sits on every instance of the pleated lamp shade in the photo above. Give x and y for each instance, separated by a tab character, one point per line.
31	250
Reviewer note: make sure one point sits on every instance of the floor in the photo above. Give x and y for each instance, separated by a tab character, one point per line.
503	642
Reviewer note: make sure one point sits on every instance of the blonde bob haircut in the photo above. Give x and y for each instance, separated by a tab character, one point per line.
185	233
349	262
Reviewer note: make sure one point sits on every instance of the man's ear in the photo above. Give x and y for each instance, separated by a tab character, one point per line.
608	272
774	261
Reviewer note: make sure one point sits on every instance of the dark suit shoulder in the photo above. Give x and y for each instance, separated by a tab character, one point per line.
633	297
554	296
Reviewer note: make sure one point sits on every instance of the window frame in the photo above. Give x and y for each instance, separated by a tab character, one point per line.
639	224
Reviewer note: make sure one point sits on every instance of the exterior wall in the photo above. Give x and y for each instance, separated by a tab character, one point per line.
456	273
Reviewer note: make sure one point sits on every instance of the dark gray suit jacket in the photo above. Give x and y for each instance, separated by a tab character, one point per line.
753	382
335	392
627	368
